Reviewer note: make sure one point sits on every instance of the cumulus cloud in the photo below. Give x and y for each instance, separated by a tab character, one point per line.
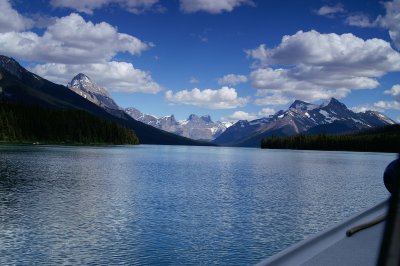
241	115
391	20
394	91
332	51
360	20
115	76
224	98
212	6
71	40
232	80
317	66
266	112
364	108
276	98
133	6
11	20
394	105
329	11
70	45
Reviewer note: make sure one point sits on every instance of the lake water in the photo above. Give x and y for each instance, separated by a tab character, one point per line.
142	205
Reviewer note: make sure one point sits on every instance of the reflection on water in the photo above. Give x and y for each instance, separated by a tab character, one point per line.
174	205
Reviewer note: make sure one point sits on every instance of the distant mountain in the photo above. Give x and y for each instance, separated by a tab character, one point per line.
88	89
19	86
139	116
194	127
302	117
197	128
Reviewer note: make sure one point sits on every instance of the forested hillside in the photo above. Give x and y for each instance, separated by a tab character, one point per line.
27	124
385	139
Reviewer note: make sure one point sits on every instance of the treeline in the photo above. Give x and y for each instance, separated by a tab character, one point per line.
29	124
386	139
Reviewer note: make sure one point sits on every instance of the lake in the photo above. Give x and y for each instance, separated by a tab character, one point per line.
174	205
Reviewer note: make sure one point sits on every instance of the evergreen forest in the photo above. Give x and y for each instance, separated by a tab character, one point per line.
31	124
384	139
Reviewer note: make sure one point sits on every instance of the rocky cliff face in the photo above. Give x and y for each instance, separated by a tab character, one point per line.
302	117
194	127
85	87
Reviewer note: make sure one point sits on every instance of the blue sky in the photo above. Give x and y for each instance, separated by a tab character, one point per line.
232	59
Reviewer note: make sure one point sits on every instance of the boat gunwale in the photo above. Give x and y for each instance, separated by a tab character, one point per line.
306	249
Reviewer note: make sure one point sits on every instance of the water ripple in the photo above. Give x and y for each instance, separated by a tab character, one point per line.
173	205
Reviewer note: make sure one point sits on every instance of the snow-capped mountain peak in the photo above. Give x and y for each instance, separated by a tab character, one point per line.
85	87
194	127
302	117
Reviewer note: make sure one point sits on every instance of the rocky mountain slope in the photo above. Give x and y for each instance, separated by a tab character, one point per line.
88	89
302	117
19	86
194	127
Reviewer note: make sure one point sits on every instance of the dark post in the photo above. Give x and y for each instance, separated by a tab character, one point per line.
390	247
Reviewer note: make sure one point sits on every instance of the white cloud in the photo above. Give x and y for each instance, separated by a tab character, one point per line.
364	108
391	20
394	105
115	76
319	66
224	98
194	80
212	6
281	87
71	45
11	20
275	98
394	91
71	40
330	10
133	6
360	20
331	52
79	5
241	115
232	79
266	112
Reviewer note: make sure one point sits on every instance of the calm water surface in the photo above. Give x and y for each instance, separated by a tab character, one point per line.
174	205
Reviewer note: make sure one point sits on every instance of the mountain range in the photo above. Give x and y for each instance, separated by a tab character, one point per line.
332	117
194	127
19	86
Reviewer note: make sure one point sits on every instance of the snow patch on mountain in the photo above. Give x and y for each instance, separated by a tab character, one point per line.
300	118
194	127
